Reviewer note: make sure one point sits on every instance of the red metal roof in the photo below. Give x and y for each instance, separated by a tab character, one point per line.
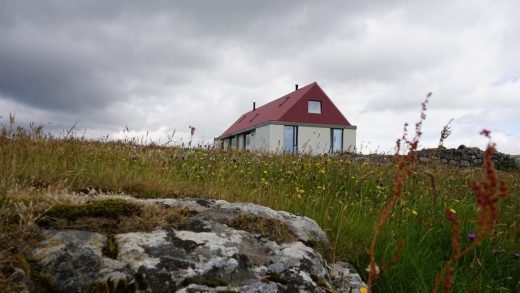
291	107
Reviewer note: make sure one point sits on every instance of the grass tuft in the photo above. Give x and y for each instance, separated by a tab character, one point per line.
273	229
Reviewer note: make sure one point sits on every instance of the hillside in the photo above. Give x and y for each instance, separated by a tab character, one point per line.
342	194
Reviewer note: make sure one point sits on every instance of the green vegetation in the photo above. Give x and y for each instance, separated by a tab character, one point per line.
271	228
213	283
343	194
275	277
107	208
111	249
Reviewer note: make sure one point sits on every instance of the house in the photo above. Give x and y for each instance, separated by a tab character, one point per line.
303	121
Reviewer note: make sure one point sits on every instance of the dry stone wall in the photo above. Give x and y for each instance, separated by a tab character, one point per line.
465	157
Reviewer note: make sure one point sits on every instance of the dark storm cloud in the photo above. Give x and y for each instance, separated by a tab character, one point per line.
155	65
82	55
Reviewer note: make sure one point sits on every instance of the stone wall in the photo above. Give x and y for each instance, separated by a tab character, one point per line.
461	157
465	157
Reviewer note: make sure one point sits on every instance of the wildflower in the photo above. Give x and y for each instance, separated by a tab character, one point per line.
363	290
322	171
377	269
414	212
472	236
265	172
453	211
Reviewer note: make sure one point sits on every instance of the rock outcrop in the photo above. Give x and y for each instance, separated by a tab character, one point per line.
212	252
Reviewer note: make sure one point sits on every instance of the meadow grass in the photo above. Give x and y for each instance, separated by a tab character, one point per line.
343	193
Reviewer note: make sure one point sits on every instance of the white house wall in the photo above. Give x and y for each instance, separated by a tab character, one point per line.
276	138
349	140
260	140
241	139
313	140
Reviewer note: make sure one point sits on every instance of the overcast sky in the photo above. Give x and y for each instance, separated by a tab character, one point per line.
160	66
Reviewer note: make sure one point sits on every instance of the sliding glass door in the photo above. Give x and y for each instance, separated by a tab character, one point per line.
290	139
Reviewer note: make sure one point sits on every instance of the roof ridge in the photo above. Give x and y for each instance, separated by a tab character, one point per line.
309	86
286	95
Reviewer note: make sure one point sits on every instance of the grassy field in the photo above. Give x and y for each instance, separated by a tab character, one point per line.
343	194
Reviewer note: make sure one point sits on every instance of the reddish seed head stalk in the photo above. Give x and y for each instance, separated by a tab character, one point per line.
488	193
404	168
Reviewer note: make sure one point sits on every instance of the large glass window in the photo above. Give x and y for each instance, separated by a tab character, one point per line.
336	140
247	143
290	139
314	107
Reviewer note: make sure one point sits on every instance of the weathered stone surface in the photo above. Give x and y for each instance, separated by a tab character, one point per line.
306	229
74	259
205	255
346	279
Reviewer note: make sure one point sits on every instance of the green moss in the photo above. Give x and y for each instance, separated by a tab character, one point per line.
107	208
216	283
275	277
211	283
188	281
110	249
271	228
320	282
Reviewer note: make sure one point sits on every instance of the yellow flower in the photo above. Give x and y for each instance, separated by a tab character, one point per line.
363	290
453	211
265	172
322	171
414	212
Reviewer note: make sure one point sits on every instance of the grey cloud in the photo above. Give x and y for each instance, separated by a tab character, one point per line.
168	64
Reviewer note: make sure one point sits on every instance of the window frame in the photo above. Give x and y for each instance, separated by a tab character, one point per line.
332	140
309	107
294	146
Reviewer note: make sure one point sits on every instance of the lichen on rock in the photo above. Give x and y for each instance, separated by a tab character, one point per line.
223	247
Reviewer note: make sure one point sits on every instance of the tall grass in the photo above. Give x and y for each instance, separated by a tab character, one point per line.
344	194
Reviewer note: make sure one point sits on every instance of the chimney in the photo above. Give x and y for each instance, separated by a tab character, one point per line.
296	87
254	106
